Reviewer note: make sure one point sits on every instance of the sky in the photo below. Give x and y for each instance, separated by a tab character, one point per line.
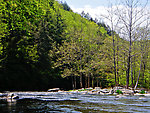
95	8
83	3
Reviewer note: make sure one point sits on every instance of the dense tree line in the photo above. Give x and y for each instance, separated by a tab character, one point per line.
44	44
29	30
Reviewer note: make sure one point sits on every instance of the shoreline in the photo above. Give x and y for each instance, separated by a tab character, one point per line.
90	91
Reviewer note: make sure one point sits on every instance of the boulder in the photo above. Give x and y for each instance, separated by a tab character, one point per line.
112	91
116	88
54	90
12	96
128	92
90	88
1	94
137	91
94	90
97	88
104	91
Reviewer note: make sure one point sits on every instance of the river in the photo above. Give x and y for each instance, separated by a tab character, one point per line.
74	102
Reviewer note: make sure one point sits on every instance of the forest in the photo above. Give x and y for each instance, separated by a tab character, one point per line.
44	44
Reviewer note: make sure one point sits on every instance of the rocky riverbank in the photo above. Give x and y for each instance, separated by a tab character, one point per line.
117	91
110	91
75	101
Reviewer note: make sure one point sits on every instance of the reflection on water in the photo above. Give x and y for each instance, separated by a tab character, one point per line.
8	105
11	104
74	102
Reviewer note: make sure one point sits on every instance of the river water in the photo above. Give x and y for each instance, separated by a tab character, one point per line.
73	102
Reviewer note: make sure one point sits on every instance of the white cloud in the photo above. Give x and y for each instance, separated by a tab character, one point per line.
94	12
97	12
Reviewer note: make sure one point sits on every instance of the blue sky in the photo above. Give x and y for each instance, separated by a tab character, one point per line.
96	8
82	3
92	3
93	7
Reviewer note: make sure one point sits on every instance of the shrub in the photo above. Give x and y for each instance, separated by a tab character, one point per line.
119	91
82	90
142	92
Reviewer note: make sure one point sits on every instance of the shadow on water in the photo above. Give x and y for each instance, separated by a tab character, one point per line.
75	103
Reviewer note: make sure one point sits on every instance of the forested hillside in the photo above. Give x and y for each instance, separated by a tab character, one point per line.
44	44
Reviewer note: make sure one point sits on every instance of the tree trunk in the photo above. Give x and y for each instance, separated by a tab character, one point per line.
117	61
75	82
72	81
125	66
132	75
92	82
81	85
139	73
115	71
97	81
144	80
128	72
114	57
88	81
100	84
85	81
134	70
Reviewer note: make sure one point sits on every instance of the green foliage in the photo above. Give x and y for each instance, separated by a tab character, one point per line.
142	92
28	31
65	6
44	44
119	91
82	90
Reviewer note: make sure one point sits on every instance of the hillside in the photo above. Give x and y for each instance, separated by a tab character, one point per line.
44	44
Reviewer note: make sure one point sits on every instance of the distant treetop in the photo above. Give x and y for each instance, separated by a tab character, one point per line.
66	6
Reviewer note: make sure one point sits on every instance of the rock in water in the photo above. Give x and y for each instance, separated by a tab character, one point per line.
54	90
12	96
